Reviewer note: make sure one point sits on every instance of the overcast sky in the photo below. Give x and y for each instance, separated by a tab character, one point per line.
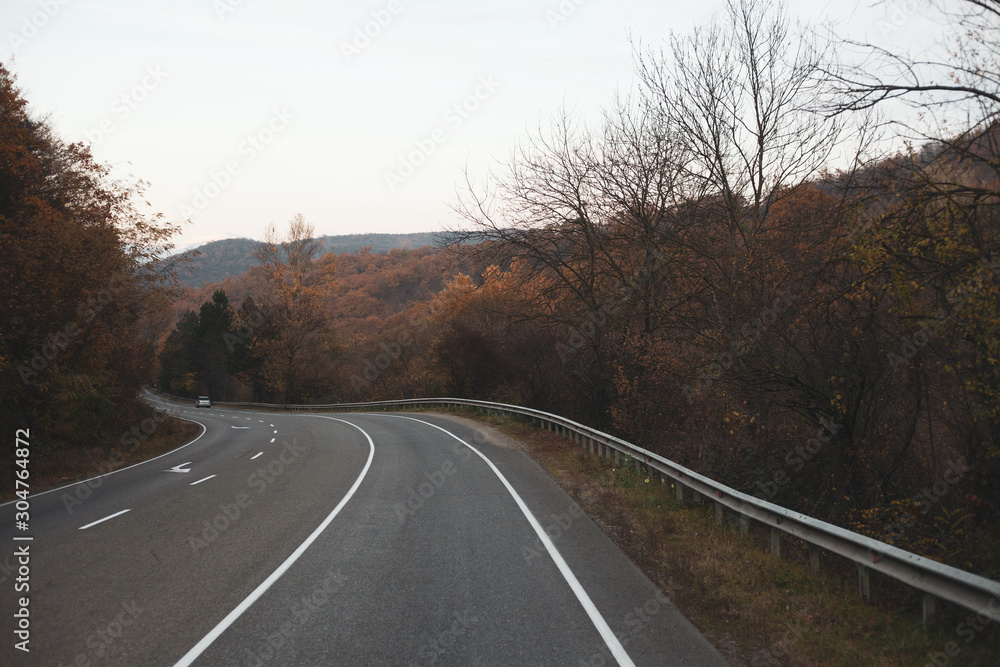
244	112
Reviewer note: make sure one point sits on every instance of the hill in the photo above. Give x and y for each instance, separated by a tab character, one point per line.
218	260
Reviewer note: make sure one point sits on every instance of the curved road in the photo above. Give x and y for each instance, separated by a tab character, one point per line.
346	539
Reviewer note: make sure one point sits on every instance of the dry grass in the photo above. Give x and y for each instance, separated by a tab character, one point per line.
58	468
755	608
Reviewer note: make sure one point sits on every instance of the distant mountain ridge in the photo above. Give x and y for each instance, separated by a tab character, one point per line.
232	257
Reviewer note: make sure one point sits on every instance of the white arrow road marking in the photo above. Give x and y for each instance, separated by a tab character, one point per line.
88	481
615	646
202	480
103	520
256	456
180	468
207	640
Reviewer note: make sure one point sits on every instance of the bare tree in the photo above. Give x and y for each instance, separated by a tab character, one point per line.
302	346
932	243
588	211
739	96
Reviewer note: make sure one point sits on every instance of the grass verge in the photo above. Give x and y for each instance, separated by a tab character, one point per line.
757	609
62	467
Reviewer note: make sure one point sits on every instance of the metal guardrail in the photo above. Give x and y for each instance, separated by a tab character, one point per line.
936	580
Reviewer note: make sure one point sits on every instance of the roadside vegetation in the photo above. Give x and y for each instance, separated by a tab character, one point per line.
802	302
757	609
759	264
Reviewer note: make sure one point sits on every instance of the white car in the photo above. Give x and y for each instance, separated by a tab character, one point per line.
203	402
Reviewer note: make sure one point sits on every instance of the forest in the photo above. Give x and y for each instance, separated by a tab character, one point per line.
749	266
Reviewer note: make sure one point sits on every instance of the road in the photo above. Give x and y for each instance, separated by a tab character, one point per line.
341	539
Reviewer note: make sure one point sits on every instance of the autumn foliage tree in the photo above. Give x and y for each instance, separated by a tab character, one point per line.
78	279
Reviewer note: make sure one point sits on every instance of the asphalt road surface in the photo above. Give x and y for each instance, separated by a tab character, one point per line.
341	539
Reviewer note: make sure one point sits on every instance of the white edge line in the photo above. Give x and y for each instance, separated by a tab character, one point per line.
204	430
256	456
214	634
602	626
202	480
103	520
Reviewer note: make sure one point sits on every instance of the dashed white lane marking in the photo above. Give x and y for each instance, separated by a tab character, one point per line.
207	640
205	479
273	439
104	519
239	428
204	430
256	456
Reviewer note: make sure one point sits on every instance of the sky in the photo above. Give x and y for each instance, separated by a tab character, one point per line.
364	116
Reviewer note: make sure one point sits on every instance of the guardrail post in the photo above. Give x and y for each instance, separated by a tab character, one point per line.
814	557
680	491
618	456
590	442
930	610
776	543
864	582
720	514
744	525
